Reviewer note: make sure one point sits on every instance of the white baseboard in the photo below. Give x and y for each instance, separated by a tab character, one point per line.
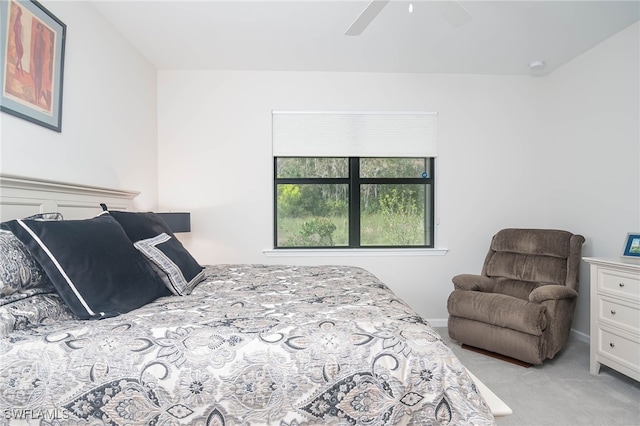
580	336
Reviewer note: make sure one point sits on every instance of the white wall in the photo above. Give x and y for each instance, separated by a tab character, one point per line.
560	151
591	123
109	117
215	160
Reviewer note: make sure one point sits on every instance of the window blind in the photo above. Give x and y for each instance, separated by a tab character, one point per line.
354	134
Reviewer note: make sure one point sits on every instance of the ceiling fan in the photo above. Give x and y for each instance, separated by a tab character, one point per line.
451	10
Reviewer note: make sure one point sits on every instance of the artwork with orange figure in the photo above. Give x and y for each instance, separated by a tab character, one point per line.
29	60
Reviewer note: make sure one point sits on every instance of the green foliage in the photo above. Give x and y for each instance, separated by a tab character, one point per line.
337	207
304	167
316	214
315	232
311	200
289	201
400	212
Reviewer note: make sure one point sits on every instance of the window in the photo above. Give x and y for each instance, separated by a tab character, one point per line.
354	179
354	202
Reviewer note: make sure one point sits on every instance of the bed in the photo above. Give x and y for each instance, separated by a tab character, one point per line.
230	345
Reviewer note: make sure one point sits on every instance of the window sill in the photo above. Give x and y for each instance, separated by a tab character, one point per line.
354	252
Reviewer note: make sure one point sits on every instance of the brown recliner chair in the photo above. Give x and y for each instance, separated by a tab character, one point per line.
522	304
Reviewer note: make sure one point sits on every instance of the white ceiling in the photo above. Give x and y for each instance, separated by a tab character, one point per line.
503	37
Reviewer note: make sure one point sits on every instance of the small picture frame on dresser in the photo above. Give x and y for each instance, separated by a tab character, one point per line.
631	248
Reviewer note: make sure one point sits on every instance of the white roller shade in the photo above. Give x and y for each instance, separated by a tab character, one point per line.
355	134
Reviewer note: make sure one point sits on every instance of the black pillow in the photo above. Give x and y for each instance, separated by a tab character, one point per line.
93	265
140	226
152	236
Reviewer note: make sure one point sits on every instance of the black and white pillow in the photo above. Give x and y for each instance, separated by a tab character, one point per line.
152	236
167	253
18	269
92	264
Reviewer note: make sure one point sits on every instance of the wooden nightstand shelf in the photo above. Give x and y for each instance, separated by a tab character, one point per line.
615	315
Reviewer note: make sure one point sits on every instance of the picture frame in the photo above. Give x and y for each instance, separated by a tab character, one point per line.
632	246
32	44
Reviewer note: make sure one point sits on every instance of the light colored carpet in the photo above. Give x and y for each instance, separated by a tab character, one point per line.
559	392
498	407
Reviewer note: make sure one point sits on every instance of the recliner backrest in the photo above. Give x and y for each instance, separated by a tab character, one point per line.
538	255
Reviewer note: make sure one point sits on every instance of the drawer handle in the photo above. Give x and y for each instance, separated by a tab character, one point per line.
621	284
613	312
613	345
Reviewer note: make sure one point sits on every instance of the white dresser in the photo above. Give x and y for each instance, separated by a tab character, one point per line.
615	315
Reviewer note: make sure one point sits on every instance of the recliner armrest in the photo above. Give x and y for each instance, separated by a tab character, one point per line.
552	292
471	282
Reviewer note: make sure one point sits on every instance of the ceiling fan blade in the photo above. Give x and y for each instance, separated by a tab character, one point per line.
366	16
454	13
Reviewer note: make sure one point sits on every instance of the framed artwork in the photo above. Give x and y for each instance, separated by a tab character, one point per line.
632	245
32	62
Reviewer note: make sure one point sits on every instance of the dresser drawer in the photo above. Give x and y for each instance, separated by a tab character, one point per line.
620	314
620	349
619	283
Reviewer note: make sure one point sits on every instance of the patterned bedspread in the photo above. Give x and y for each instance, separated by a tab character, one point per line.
252	345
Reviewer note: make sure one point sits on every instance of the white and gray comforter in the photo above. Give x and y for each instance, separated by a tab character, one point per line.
252	345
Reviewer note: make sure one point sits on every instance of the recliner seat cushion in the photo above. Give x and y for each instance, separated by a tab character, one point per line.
514	288
498	309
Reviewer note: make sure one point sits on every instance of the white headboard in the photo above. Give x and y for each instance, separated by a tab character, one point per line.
21	197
